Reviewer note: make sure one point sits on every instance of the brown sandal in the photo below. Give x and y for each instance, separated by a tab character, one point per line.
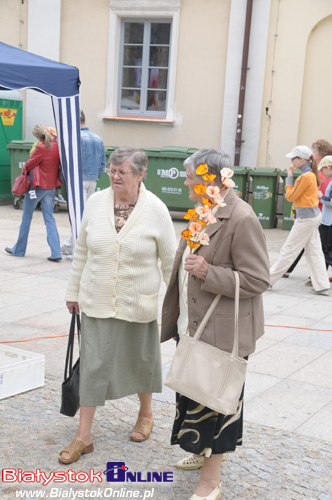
143	427
75	450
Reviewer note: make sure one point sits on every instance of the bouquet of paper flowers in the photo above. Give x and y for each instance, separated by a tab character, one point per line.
211	197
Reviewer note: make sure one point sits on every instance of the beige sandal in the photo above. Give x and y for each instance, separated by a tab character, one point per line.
143	427
75	450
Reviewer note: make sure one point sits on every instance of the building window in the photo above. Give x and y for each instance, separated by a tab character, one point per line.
144	67
142	60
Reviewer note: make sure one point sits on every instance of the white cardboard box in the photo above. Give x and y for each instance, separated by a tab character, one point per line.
20	371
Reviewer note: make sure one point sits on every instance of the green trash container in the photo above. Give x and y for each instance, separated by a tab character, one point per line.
108	151
241	180
264	195
287	221
104	180
11	109
166	175
19	153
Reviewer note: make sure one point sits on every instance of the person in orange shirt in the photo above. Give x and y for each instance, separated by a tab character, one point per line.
304	233
320	148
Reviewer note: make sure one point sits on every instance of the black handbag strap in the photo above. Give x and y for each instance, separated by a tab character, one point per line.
75	319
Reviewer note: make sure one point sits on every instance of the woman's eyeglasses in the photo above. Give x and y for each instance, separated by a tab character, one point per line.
119	173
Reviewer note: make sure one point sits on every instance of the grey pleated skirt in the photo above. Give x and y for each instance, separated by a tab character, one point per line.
118	358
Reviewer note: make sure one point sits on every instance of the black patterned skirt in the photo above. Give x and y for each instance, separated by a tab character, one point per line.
202	431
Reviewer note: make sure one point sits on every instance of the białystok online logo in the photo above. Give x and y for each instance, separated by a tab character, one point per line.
117	472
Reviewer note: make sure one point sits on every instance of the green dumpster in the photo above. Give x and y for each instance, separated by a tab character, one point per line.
19	153
108	151
104	180
10	129
287	221
241	180
166	175
264	196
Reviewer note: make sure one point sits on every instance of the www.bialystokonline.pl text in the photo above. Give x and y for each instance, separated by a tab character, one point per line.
73	494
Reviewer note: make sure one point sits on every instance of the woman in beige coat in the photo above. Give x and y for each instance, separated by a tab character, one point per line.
236	242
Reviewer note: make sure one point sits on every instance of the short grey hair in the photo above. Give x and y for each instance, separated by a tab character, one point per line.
137	157
216	160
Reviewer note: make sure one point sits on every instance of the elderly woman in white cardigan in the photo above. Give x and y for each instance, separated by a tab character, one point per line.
114	284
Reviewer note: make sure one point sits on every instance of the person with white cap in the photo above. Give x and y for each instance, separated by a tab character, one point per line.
320	148
325	229
304	233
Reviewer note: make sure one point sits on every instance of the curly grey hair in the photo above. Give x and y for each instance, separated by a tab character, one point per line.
137	157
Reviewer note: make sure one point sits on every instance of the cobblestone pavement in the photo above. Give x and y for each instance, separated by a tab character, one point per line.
272	464
288	412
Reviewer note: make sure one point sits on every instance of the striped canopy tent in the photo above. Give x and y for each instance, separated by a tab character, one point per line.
22	70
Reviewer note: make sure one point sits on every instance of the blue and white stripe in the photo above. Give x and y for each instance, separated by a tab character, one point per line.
67	122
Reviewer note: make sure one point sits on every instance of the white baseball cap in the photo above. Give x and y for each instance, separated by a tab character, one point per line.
325	162
301	151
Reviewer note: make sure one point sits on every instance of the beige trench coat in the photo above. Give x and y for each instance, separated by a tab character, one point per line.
237	242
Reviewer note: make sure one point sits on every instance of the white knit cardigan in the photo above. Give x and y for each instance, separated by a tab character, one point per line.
116	275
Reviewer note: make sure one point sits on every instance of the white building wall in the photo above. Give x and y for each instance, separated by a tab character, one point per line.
255	83
289	79
43	40
255	79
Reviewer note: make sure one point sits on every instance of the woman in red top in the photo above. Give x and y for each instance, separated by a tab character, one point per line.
43	166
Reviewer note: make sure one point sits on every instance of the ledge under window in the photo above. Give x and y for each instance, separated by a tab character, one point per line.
141	119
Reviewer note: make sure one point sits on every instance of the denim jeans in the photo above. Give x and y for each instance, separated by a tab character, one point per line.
46	198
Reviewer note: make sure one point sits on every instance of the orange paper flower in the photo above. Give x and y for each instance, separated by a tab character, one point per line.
209	177
193	244
186	234
200	188
202	169
191	214
207	201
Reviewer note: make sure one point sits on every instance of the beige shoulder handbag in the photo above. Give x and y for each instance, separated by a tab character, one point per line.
206	374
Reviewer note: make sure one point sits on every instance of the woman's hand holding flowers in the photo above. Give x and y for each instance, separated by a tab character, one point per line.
196	265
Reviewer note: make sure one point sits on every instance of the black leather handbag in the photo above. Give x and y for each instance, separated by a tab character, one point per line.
70	400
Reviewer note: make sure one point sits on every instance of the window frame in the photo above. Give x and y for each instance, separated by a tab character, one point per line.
151	10
142	112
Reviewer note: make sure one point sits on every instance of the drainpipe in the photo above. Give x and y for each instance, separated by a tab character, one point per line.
244	70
